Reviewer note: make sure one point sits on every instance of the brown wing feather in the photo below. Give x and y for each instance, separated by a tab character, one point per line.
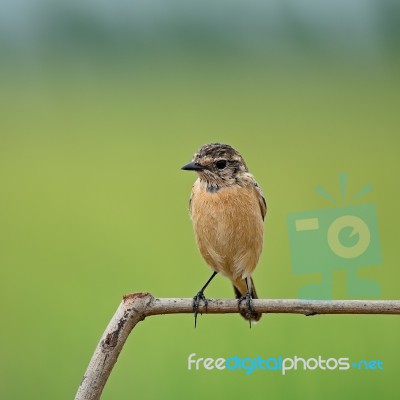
261	200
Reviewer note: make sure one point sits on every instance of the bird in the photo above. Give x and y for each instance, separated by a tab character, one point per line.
227	208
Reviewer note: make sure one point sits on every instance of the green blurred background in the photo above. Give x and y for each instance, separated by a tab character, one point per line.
101	104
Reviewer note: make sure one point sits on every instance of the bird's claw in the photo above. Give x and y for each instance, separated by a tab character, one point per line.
196	303
250	313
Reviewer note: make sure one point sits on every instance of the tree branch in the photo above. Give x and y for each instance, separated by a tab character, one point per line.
136	307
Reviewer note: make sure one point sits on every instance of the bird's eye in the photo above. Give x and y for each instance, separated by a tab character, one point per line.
221	164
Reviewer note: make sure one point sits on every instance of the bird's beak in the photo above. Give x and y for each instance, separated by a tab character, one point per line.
192	167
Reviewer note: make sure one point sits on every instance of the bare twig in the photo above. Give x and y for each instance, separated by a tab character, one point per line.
136	307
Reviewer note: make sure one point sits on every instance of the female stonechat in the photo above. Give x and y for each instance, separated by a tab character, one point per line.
227	208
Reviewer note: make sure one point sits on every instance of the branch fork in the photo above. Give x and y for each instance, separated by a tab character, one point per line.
137	306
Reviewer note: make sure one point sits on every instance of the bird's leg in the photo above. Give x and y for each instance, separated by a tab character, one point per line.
200	297
249	304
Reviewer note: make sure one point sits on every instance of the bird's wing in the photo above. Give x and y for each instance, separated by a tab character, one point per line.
190	203
194	189
261	200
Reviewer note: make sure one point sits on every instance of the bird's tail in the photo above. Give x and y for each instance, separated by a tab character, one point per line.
240	289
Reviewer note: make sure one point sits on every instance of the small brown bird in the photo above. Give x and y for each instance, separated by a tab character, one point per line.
227	209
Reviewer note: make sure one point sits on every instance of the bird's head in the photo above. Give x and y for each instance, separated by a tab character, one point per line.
218	164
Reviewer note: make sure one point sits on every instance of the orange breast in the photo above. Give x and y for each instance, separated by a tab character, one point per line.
229	228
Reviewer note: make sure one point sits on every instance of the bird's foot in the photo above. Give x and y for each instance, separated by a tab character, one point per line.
196	303
249	312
